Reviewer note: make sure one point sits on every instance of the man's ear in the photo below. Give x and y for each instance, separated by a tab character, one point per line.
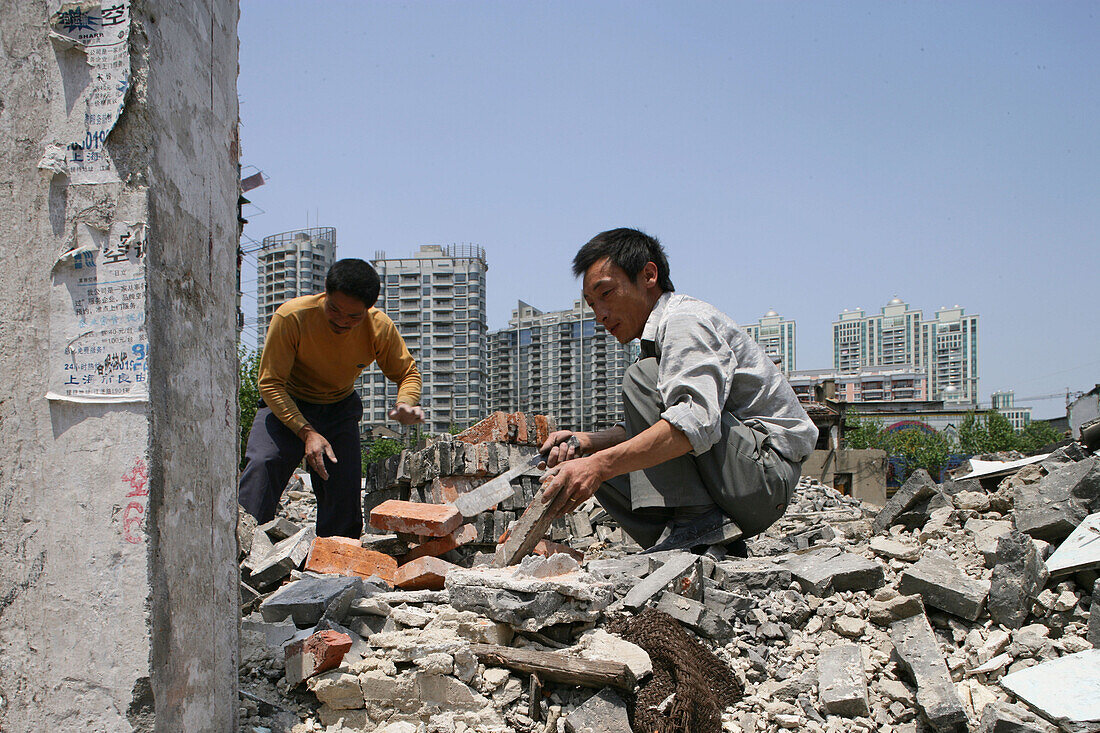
649	274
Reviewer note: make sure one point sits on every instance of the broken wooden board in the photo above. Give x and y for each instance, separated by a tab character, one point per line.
557	667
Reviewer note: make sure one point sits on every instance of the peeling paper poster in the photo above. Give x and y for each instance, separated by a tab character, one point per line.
101	29
98	345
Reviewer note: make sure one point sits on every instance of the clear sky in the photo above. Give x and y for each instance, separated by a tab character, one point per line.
806	157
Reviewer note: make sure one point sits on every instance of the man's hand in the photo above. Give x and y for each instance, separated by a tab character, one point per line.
317	449
558	447
577	480
406	414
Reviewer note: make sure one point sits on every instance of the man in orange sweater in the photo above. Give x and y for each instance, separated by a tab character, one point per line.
316	347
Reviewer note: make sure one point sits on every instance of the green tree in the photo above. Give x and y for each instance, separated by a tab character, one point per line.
991	433
381	449
248	393
915	448
861	433
1002	436
1038	435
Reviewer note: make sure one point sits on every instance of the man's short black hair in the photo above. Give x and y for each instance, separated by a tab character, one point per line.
629	249
355	278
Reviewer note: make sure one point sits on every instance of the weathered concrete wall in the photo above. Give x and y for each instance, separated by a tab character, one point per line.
118	586
867	469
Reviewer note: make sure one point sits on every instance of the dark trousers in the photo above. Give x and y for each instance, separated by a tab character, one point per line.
274	452
741	474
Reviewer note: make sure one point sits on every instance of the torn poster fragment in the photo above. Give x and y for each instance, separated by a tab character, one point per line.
101	30
98	345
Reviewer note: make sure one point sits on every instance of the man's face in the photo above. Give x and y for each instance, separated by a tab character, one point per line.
343	311
621	304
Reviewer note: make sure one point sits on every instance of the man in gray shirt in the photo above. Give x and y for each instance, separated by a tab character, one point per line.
714	435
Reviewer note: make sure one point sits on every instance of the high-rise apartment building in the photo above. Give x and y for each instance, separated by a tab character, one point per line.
775	335
562	363
436	298
946	348
291	264
1004	402
950	345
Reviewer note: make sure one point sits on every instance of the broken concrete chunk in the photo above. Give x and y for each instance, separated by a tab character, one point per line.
246	526
1065	690
999	717
287	555
598	644
752	574
1018	578
1094	616
528	603
842	684
940	583
305	600
886	612
1051	509
919	487
986	532
677	569
827	570
338	690
919	654
279	528
604	712
895	549
697	616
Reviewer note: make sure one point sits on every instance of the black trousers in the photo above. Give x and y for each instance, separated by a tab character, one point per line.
274	452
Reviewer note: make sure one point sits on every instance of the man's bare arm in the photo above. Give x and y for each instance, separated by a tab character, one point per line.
557	449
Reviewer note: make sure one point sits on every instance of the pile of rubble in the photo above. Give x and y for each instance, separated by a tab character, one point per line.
956	606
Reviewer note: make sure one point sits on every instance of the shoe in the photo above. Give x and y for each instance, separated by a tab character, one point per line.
710	528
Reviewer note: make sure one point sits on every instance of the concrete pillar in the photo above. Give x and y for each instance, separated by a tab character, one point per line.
118	234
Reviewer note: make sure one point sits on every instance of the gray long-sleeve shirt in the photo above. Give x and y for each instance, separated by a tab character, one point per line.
707	365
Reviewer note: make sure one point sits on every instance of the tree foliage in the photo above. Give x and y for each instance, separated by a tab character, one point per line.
248	393
1037	435
992	433
381	449
915	448
861	433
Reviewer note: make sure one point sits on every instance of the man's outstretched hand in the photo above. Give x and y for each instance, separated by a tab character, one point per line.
406	414
317	449
577	480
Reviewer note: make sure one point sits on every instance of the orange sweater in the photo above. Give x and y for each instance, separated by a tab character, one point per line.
305	359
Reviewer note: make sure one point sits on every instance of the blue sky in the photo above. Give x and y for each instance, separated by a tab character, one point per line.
806	157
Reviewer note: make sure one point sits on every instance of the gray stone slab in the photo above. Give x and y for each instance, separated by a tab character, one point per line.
284	557
841	682
1018	577
1080	551
279	528
604	712
986	532
828	570
1064	690
678	567
919	654
1094	616
940	583
696	616
751	574
305	600
920	486
1051	509
999	717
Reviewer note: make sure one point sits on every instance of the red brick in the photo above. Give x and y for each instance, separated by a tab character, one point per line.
345	556
543	427
413	517
424	573
546	548
319	653
435	547
492	429
446	489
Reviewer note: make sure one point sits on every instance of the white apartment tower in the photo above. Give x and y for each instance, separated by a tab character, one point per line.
946	348
291	264
951	355
776	336
436	298
562	363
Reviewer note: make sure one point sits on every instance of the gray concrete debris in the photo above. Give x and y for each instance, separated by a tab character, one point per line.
676	569
919	487
1051	509
998	717
285	556
1094	616
751	574
1064	690
919	654
940	583
842	684
305	600
246	525
827	570
986	532
604	712
279	528
1018	577
695	616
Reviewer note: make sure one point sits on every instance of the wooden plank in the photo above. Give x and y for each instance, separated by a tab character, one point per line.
557	667
529	528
